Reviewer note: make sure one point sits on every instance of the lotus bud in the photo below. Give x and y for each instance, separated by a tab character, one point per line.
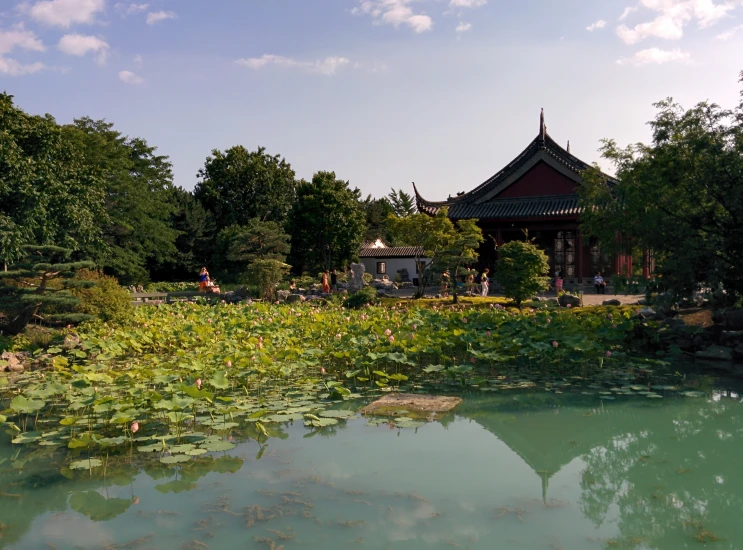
464	320
387	332
608	353
322	370
229	364
555	344
135	427
473	360
392	338
198	382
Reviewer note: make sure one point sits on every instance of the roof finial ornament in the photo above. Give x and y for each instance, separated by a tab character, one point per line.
568	146
542	127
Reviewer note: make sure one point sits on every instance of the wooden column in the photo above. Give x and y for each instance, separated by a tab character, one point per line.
580	256
645	264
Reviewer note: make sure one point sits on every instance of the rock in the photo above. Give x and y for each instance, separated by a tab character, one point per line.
738	352
612	302
568	300
71	341
357	277
716	353
734	319
730	338
292	298
406	284
11	361
283	295
647	312
342	286
552	302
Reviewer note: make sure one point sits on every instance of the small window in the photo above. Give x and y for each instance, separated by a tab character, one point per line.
381	268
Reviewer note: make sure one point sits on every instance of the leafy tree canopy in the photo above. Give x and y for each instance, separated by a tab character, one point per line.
48	194
401	202
238	185
522	270
680	197
377	211
327	224
259	240
463	250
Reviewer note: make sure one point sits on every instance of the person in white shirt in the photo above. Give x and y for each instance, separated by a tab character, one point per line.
599	283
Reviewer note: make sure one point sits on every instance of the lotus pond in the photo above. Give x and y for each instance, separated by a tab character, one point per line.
566	438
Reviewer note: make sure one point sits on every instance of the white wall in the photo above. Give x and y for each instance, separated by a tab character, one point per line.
393	265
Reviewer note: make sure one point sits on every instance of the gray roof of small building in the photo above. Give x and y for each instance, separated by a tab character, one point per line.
391	252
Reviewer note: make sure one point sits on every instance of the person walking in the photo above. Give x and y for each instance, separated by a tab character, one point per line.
334	280
484	283
325	285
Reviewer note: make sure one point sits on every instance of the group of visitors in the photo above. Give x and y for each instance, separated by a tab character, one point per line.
472	282
206	284
329	281
598	282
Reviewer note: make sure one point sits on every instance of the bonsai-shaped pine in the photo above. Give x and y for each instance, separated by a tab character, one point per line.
522	270
462	252
266	274
38	286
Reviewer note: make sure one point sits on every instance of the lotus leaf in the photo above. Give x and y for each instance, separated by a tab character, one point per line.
216	446
175	459
332	413
86	464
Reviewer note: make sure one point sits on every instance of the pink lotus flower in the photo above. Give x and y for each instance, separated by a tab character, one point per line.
260	345
260	338
415	327
210	321
473	360
322	370
549	320
570	305
338	335
464	320
135	427
387	332
392	338
412	336
198	383
488	334
555	344
492	306
608	353
229	364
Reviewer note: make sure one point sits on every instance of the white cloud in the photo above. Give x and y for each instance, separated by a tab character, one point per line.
464	27
11	67
728	34
128	77
327	66
138	60
130	8
656	56
600	24
79	45
467	3
157	16
395	13
627	12
63	13
672	16
19	37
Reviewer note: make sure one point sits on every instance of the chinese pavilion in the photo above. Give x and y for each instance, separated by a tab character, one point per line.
537	192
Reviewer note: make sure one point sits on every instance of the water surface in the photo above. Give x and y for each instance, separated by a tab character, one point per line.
508	471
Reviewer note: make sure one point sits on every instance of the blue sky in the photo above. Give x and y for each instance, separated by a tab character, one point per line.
383	92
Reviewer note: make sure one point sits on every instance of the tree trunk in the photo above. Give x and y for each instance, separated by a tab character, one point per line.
18	324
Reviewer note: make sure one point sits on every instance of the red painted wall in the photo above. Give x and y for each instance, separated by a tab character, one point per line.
541	180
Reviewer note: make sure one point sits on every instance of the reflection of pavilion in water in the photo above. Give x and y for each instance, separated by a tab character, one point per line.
543	438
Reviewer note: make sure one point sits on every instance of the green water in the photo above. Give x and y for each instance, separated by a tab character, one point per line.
507	471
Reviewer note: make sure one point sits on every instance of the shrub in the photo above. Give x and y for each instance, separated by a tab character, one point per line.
172	287
365	296
522	270
266	274
368	277
105	299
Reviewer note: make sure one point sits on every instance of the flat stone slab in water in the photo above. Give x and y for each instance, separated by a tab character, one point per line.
394	403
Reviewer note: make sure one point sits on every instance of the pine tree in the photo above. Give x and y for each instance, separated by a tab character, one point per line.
38	286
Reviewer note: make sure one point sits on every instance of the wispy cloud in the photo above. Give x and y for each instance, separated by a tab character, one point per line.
63	13
600	24
328	66
157	16
130	8
672	16
80	45
395	13
463	27
138	59
467	3
19	37
11	67
655	56
128	77
728	34
627	12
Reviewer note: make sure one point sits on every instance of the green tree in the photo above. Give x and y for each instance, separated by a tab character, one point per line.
432	236
401	202
522	270
48	194
137	183
104	299
39	282
326	224
266	273
462	252
259	240
238	185
680	197
377	212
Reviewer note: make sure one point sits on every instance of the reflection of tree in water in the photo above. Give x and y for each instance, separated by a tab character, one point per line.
673	479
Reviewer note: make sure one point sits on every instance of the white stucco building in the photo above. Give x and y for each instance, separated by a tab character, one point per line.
380	259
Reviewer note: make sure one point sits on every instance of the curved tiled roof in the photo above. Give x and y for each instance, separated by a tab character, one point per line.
465	205
391	252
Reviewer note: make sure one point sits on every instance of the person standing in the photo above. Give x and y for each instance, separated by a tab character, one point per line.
203	279
334	280
325	285
484	282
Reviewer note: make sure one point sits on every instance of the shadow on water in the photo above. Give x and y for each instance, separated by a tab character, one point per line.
521	470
